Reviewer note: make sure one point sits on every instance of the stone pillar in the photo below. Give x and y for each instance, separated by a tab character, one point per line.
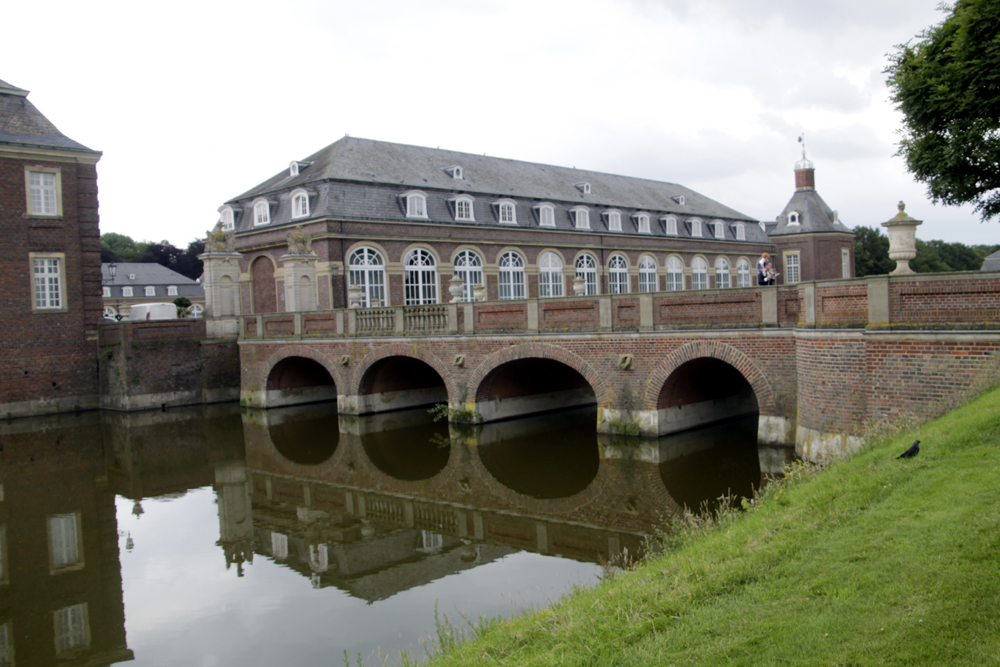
221	280
300	281
902	231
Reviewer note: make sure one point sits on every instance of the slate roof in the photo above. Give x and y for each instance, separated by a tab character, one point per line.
814	216
147	273
363	178
21	124
992	262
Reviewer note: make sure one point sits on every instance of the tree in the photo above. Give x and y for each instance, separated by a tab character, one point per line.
124	247
948	87
871	253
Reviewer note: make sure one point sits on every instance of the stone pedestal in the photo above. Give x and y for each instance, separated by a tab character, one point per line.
300	281
902	231
221	280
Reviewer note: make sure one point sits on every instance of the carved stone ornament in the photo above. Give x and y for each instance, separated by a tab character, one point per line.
299	243
219	241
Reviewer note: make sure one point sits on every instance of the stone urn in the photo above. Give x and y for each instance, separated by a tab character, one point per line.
455	287
902	231
354	296
479	292
579	286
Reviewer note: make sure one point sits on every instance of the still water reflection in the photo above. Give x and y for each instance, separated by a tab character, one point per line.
205	536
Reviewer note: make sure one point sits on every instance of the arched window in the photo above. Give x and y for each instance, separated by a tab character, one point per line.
743	273
741	231
196	311
366	269
469	267
669	225
420	278
647	274
699	273
261	213
546	215
675	273
464	211
581	217
722	272
618	274
614	220
506	213
511	275
300	204
695	227
586	268
227	218
642	223
550	275
416	204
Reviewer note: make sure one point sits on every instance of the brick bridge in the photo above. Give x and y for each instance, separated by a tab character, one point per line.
819	361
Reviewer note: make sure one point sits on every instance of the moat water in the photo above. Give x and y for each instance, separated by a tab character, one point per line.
210	536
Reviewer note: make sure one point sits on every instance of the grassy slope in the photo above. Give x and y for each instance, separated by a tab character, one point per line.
873	561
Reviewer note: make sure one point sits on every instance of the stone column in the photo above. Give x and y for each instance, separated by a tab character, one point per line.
300	281
902	231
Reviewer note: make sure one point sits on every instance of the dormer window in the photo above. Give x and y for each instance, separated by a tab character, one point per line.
227	218
300	204
669	225
719	229
583	187
454	171
506	212
679	199
580	216
695	227
464	211
295	166
415	204
614	220
261	212
546	214
793	218
741	231
642	223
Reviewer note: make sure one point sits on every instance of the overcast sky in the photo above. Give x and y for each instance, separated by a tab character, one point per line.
193	103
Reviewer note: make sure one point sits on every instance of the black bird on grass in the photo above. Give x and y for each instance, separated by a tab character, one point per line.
911	452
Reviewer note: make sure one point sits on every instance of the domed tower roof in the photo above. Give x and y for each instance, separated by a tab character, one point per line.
806	212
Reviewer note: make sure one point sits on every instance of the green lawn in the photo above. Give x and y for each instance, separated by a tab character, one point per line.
871	561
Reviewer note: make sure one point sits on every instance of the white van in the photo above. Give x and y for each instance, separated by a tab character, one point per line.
152	311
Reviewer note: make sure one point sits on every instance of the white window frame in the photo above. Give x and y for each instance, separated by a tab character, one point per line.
261	213
675	274
741	231
546	215
743	275
420	278
171	290
723	273
279	545
300	204
614	219
699	273
468	265
416	204
106	292
669	225
793	266
581	217
72	628
648	279
366	269
506	211
150	290
794	218
551	283
642	223
228	218
65	543
618	279
464	206
127	292
511	275
583	187
695	228
719	229
196	311
48	282
586	268
44	199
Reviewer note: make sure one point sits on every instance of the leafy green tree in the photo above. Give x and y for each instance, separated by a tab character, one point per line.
871	252
124	247
948	87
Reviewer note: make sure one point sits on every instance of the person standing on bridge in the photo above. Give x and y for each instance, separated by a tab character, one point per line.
765	274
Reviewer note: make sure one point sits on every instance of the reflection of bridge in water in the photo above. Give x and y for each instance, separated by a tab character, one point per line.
382	503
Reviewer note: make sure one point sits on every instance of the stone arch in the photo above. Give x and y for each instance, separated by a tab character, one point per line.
714	349
308	353
541	351
402	350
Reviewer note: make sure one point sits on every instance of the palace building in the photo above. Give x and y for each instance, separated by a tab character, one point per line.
399	221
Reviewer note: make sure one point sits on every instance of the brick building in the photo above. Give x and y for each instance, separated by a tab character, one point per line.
50	296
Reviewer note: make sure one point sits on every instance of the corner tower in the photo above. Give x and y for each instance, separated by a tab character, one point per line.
810	241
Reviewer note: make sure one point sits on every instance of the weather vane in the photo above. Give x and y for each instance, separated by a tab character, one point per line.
802	140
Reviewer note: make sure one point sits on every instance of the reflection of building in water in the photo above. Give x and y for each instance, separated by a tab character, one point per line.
60	577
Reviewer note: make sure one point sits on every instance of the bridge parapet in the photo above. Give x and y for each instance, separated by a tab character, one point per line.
967	300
